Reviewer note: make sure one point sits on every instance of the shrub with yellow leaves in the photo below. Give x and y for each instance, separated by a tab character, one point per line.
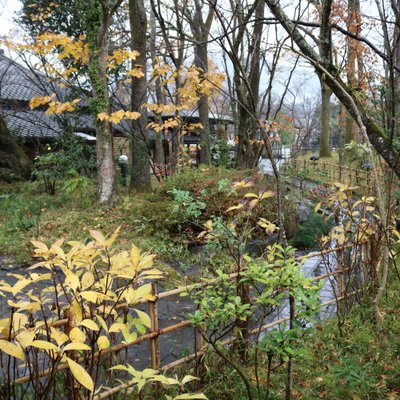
76	305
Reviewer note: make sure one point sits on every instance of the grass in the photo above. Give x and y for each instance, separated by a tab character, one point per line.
147	220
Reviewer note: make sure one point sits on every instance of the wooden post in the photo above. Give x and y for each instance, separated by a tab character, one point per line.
154	342
357	177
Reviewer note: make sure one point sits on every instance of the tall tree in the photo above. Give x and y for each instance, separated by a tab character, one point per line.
200	28
159	149
92	18
326	56
98	18
140	175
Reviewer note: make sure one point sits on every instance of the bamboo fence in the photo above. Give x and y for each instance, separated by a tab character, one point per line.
335	172
155	332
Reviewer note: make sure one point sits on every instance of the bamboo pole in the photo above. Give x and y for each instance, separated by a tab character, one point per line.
154	341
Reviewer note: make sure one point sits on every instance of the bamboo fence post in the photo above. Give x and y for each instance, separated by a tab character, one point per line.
340	173
357	177
154	341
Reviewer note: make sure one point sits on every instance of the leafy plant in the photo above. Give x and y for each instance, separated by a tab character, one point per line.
81	285
185	205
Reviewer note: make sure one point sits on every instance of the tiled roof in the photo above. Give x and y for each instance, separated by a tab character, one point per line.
20	83
28	124
38	124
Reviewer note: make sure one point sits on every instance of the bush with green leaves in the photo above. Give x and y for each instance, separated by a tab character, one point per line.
225	314
71	157
310	231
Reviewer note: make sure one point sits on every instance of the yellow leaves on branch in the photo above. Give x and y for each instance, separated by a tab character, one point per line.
38	101
119	56
170	123
136	72
40	13
93	283
67	47
161	108
54	107
117	116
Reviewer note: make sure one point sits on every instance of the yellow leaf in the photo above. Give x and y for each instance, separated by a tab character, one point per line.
76	312
112	238
251	195
87	280
116	327
12	349
144	318
76	346
103	342
40	246
98	236
25	338
135	255
102	323
59	337
71	280
42	344
90	324
80	374
77	335
267	195
238	207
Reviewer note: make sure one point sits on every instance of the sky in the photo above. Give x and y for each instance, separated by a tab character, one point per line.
7	10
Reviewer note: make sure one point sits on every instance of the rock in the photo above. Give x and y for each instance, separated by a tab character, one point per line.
366	166
304	213
8	263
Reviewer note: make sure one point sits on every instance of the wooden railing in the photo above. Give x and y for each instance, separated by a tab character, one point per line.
335	172
155	332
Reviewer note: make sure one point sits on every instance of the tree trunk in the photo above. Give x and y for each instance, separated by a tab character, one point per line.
140	174
200	30
107	188
248	97
324	145
159	149
201	61
352	26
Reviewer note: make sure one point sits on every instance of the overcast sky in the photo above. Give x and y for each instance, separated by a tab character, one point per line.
7	10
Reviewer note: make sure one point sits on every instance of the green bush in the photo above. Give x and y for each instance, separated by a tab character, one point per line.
310	231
